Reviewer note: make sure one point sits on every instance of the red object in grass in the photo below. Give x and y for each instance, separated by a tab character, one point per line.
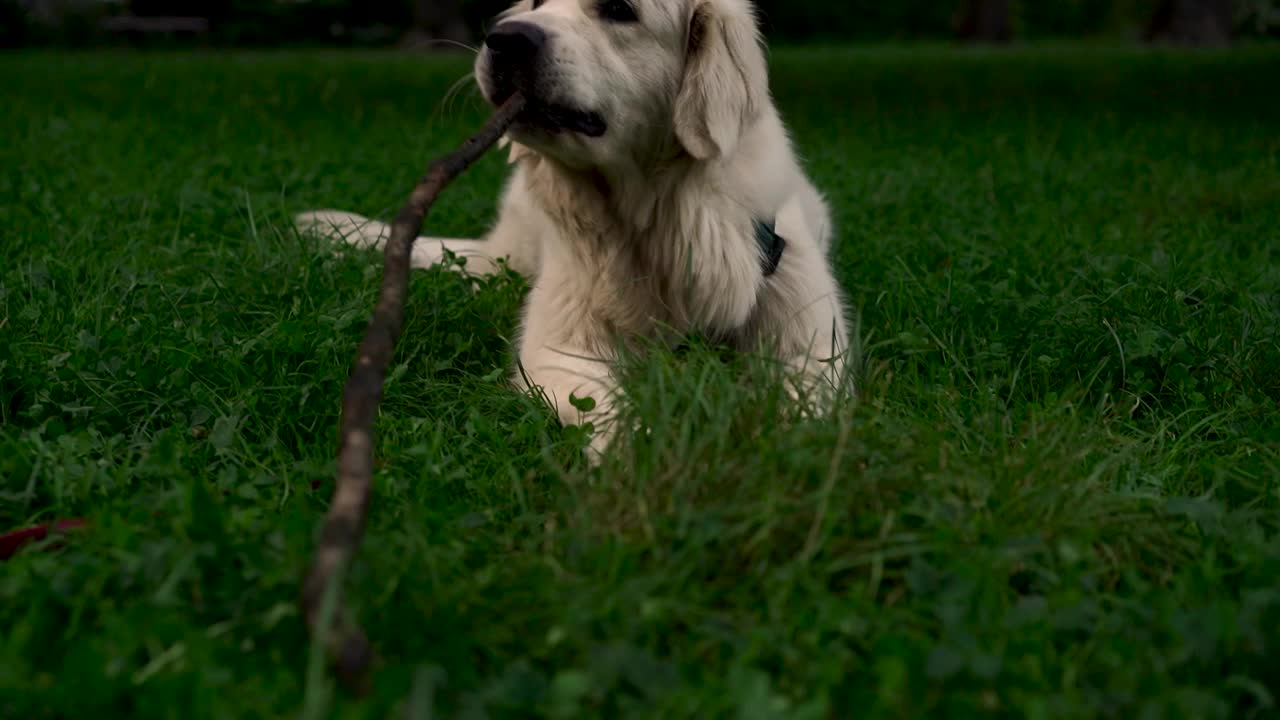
11	541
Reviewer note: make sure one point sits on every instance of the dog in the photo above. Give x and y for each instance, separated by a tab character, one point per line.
655	193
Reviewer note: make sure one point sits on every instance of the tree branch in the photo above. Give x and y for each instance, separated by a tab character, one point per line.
345	521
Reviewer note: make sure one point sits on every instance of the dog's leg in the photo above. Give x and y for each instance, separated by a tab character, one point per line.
801	315
569	377
813	339
560	355
514	238
801	318
367	233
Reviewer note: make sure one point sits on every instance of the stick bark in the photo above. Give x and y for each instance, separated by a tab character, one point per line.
344	523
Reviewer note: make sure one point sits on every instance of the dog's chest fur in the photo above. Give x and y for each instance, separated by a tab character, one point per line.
652	257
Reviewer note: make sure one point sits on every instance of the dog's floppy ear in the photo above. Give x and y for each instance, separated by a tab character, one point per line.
726	82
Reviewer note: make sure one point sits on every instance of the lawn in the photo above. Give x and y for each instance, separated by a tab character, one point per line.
1058	494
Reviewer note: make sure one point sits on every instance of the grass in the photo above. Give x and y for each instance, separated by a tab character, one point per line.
1058	495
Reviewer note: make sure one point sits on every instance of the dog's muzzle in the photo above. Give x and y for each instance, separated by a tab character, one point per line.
517	52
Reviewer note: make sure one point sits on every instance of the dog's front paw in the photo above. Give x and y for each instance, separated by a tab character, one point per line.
348	227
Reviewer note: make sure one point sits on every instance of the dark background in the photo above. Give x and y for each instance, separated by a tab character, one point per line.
436	24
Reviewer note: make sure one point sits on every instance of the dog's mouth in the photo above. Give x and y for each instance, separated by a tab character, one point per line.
555	117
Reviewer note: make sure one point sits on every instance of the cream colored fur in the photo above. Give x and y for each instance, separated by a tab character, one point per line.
647	232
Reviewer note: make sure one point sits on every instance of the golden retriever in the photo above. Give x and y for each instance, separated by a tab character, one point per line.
655	192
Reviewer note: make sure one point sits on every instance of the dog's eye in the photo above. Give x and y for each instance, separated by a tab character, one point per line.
538	3
619	11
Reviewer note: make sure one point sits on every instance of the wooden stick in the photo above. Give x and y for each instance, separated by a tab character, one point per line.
345	521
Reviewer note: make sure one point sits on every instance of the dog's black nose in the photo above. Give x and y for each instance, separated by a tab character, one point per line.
516	41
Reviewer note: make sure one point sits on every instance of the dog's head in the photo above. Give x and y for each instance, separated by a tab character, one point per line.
613	82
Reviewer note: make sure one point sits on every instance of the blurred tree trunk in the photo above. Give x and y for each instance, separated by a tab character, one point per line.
1206	23
438	25
986	21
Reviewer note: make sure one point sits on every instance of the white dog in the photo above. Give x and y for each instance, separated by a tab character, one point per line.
655	193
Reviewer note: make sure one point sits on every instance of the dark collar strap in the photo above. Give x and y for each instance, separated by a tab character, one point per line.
771	246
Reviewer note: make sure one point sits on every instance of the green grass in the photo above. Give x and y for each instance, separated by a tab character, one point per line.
1058	495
